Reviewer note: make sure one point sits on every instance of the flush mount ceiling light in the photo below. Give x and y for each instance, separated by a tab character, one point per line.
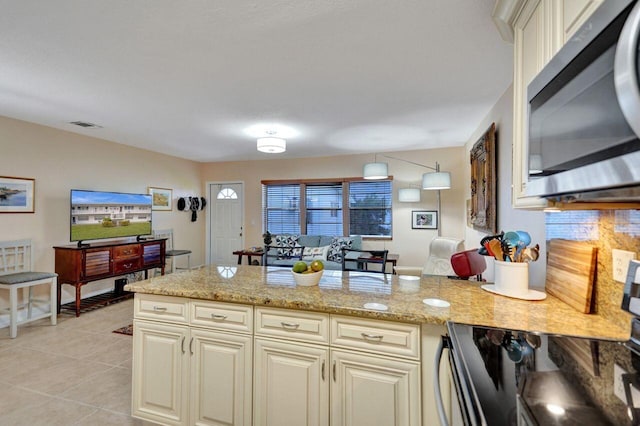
271	144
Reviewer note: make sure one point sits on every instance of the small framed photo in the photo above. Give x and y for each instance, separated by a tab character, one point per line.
424	219
162	198
17	194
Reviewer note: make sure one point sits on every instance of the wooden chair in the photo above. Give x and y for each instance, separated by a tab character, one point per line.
170	252
360	260
16	272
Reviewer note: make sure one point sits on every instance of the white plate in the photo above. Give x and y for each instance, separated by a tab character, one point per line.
376	306
436	303
529	295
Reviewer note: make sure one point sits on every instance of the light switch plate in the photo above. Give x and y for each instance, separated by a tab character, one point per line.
621	260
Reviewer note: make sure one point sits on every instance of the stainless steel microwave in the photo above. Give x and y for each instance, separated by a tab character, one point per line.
584	112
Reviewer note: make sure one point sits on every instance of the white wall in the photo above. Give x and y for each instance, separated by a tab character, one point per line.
509	219
60	161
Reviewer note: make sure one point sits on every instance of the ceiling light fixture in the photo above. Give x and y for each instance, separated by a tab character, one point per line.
271	144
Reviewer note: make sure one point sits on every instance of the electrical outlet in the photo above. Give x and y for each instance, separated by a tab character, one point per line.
618	387
621	260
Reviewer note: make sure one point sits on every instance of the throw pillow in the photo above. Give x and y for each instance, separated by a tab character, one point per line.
285	243
335	249
313	253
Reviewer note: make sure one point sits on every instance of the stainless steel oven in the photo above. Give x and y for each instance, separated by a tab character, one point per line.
584	112
510	377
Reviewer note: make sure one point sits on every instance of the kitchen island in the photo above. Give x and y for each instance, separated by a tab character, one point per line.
245	345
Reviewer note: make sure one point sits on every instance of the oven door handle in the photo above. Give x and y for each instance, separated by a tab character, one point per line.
444	343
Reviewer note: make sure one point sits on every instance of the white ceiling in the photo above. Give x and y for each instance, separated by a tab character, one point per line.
188	77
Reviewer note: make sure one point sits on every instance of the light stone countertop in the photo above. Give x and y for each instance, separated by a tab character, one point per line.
347	292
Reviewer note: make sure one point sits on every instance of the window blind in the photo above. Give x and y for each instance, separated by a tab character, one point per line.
281	208
324	209
370	208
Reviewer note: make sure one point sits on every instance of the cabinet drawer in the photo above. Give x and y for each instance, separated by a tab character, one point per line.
223	316
121	252
383	337
164	308
124	266
290	324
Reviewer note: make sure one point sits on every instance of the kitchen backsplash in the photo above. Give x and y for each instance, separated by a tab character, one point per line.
607	230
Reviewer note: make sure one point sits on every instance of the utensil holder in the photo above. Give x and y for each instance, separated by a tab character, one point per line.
511	278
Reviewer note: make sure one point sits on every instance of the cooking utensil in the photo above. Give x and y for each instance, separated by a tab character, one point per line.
525	238
495	247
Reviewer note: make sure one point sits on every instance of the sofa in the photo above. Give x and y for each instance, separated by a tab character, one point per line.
287	249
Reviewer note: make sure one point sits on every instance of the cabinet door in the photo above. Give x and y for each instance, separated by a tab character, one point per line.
374	391
291	384
532	49
160	373
574	13
97	263
220	378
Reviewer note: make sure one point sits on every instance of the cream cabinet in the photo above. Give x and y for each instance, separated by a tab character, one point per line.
291	384
211	363
374	390
160	372
540	29
188	368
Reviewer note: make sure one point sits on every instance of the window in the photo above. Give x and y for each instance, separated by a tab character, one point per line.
281	208
336	207
324	209
370	208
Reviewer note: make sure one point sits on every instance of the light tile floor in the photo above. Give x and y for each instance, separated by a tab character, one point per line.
75	373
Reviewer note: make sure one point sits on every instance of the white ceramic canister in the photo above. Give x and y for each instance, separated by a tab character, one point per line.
511	278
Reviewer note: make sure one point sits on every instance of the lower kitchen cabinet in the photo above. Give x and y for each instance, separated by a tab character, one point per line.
160	372
371	390
206	363
291	385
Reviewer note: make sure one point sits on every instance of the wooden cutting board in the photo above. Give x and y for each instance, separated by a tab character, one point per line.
571	268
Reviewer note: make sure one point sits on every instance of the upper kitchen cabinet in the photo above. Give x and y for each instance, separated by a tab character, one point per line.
539	28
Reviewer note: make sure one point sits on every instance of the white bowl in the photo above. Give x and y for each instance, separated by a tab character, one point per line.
307	280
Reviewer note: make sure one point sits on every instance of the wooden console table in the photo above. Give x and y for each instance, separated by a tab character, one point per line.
249	254
78	266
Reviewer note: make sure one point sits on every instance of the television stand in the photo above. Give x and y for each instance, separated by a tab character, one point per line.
78	266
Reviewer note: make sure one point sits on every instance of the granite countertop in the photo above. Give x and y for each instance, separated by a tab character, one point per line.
347	292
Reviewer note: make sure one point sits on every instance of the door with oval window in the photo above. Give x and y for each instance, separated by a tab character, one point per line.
226	233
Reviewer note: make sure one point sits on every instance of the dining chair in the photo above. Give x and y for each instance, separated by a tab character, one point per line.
361	260
439	260
171	253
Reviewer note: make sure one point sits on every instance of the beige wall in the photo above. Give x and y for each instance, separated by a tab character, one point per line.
509	219
60	161
412	245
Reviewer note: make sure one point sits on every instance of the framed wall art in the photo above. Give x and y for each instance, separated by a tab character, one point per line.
162	198
17	194
424	219
483	212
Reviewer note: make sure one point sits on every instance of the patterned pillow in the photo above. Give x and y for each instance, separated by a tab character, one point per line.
285	243
313	253
335	249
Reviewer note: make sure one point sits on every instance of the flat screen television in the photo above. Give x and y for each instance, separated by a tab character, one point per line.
97	215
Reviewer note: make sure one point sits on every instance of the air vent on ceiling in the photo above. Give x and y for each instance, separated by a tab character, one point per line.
85	124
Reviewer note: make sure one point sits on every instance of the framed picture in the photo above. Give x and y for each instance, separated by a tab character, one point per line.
162	198
17	194
424	219
484	204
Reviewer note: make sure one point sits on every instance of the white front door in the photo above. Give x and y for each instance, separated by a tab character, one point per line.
225	222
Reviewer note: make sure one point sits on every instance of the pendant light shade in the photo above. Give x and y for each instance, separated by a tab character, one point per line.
409	195
272	145
436	180
375	171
